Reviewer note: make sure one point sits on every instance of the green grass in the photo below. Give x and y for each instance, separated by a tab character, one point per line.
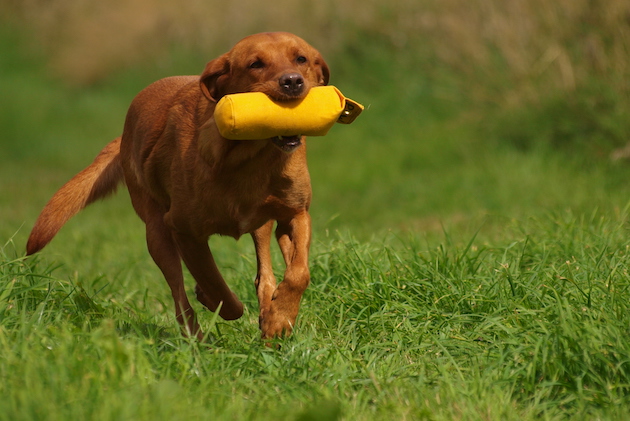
467	264
397	328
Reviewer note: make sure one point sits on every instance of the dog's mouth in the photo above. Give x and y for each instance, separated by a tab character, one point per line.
287	143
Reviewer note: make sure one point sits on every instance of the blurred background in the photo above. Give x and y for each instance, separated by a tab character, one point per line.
477	112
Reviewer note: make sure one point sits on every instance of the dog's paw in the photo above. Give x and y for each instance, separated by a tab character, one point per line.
275	327
230	309
277	322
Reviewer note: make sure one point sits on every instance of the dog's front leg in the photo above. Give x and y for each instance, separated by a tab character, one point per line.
265	279
294	238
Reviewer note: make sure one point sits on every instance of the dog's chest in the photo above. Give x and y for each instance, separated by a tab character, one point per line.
239	200
240	218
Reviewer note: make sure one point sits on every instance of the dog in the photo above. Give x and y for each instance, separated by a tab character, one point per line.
187	182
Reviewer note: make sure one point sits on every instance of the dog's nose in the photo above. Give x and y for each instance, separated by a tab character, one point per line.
292	83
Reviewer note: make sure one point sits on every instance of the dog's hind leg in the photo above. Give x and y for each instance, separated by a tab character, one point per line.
164	252
211	287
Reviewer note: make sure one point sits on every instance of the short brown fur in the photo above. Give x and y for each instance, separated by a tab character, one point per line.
186	182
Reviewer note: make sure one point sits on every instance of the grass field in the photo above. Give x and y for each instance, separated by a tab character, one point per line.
470	254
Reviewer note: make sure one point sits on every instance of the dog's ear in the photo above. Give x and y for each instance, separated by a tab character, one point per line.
211	78
323	72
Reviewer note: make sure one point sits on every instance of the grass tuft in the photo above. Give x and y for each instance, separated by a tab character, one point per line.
398	327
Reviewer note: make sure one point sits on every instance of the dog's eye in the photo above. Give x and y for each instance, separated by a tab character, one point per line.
301	60
258	64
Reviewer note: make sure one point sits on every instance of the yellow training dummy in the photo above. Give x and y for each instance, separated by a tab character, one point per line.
254	115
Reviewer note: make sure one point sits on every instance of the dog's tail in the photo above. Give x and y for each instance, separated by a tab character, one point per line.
97	181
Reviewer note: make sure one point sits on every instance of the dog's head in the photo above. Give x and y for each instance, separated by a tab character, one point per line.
279	64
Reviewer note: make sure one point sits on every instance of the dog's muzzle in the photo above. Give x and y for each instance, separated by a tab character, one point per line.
287	143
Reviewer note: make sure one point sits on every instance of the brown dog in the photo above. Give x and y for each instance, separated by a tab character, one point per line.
187	182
